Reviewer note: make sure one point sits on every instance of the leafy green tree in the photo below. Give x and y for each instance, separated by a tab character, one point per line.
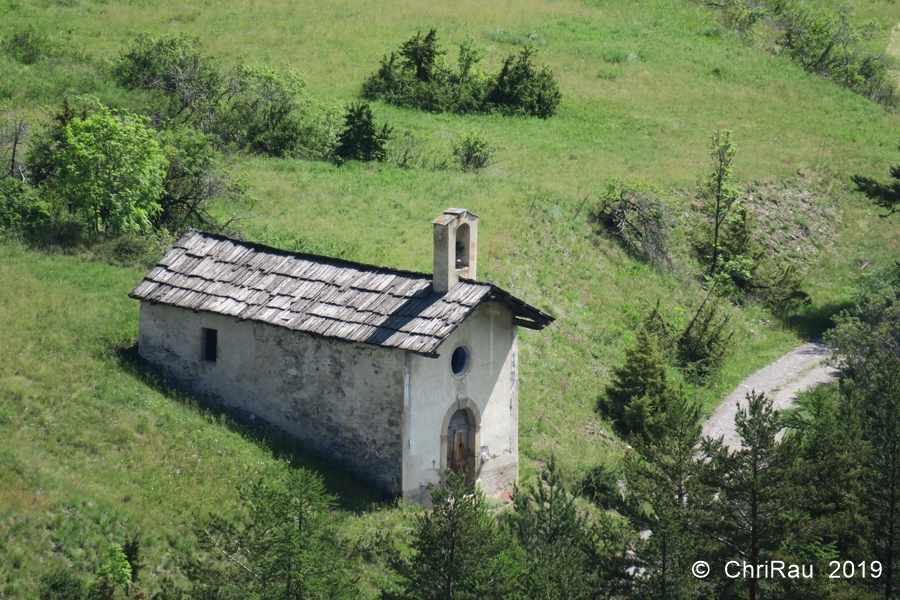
566	554
751	500
283	546
111	169
640	390
661	488
458	551
361	139
114	573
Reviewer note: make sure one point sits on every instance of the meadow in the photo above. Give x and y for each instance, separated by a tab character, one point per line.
91	447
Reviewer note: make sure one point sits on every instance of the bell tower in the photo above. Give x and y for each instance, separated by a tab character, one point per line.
455	248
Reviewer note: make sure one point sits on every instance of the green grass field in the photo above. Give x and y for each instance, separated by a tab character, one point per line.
89	448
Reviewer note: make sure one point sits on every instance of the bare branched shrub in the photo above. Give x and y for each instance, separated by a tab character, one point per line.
635	213
14	131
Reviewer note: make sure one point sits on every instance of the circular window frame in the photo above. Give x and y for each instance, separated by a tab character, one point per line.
467	364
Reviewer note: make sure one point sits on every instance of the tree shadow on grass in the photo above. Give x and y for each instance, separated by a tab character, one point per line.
354	494
812	321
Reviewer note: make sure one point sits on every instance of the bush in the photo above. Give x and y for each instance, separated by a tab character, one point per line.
62	584
361	139
601	485
27	45
21	208
634	212
474	152
175	67
264	112
702	346
416	76
196	178
822	41
521	89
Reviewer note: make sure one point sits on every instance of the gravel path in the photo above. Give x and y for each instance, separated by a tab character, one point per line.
797	370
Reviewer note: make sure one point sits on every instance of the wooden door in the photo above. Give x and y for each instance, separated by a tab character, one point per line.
458	442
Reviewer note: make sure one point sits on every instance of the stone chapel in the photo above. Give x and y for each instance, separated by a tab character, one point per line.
395	375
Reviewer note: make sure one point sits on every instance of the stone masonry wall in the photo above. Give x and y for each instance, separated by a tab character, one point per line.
344	400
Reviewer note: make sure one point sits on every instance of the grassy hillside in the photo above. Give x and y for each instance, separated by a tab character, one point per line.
93	446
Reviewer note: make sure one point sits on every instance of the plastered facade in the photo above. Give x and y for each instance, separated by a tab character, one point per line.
382	413
488	391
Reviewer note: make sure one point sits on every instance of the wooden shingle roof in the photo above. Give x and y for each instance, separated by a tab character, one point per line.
323	296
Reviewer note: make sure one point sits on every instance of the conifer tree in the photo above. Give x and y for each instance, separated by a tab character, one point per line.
661	481
751	499
283	546
360	138
568	557
640	390
868	346
459	552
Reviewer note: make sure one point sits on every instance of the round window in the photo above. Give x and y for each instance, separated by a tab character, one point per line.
459	362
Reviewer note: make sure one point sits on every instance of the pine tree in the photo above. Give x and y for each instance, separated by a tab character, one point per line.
283	546
661	478
567	557
718	191
640	390
459	553
868	345
752	498
360	138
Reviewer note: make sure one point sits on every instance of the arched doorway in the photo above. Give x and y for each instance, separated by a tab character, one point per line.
458	441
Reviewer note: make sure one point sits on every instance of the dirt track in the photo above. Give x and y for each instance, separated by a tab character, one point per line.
797	370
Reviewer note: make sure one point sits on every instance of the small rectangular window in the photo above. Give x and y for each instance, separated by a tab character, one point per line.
209	344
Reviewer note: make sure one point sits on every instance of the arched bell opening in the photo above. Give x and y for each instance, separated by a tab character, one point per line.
463	233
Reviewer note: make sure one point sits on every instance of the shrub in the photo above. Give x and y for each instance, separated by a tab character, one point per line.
702	346
21	208
361	138
822	41
634	212
62	584
416	76
27	45
196	178
176	67
600	484
264	112
474	152
521	89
